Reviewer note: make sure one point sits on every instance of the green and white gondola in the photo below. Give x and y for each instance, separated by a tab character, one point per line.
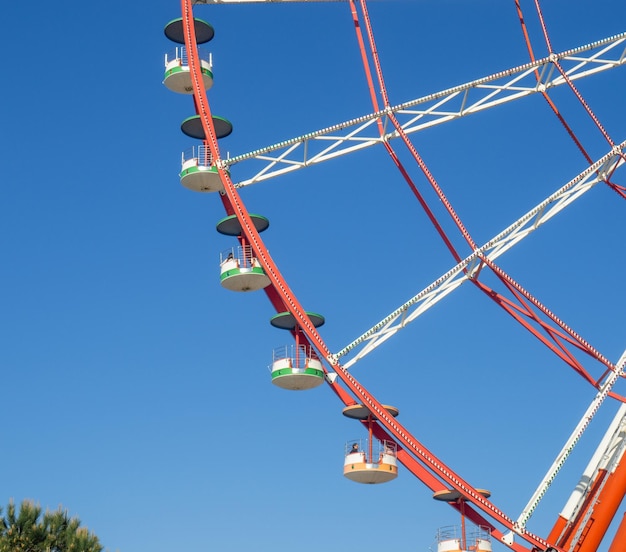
240	270
177	77
300	368
198	172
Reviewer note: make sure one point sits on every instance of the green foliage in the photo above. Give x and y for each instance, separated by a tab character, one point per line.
29	531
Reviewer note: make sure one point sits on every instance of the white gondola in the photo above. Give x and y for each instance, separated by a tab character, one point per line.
376	462
198	172
475	539
177	77
240	270
463	539
296	368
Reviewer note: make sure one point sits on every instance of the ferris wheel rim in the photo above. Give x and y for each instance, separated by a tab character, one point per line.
308	328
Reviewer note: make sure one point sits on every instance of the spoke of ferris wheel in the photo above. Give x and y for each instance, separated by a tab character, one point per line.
570	444
463	271
434	109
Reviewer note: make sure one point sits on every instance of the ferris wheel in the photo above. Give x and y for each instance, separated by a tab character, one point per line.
309	362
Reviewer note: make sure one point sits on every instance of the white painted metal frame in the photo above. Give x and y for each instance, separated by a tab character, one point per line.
463	271
432	110
428	111
612	455
571	442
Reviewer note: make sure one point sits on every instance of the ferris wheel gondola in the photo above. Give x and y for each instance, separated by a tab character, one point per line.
376	462
303	325
240	270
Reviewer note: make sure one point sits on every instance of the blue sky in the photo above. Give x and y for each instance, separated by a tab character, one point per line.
136	391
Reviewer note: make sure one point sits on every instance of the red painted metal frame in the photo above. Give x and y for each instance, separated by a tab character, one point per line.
564	530
606	505
560	335
412	454
471	514
620	537
603	500
621	190
427	461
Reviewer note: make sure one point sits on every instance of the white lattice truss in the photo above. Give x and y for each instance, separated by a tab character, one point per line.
434	109
422	113
600	171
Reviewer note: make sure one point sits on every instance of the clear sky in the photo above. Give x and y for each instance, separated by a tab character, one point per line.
135	389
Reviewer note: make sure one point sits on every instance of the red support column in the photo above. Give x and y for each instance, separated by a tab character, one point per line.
608	502
619	542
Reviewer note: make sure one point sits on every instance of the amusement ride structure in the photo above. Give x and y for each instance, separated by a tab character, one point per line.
309	362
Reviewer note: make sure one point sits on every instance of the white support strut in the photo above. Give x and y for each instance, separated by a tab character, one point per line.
465	270
431	110
570	444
